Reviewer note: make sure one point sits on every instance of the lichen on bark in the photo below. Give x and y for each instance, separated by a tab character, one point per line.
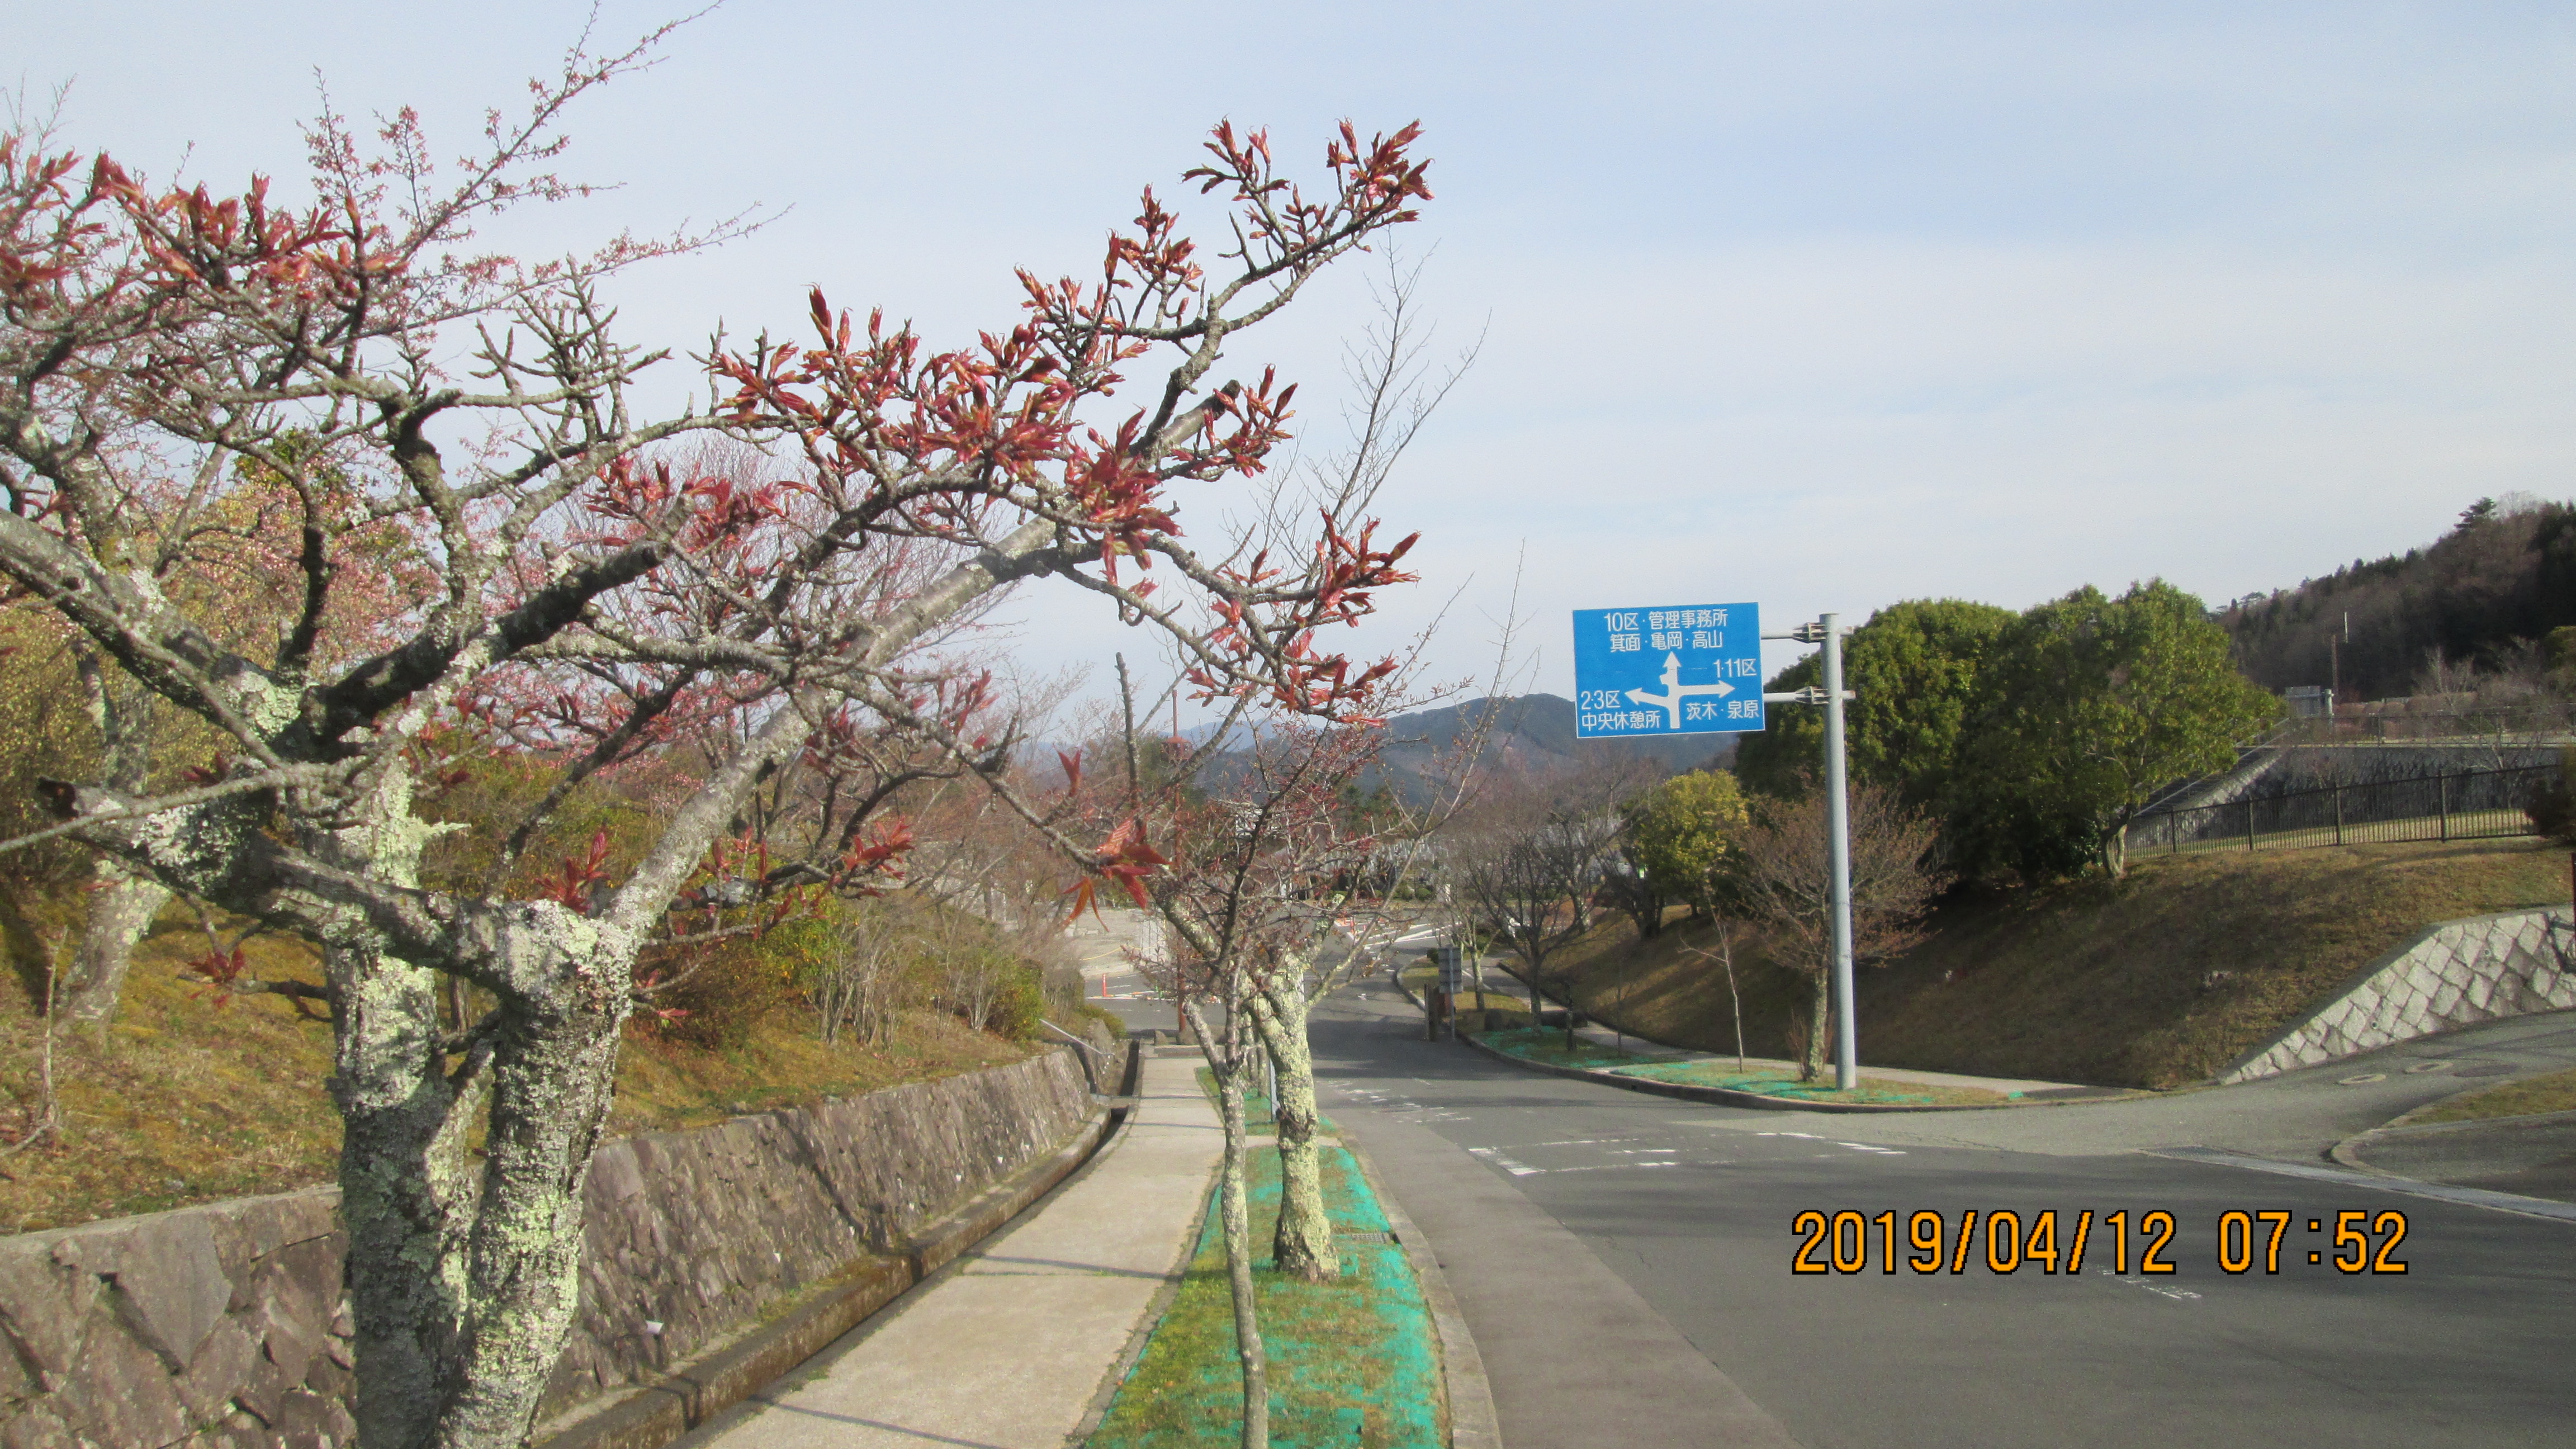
1302	1243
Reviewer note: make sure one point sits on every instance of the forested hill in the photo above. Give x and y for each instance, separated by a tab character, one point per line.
2502	576
1530	731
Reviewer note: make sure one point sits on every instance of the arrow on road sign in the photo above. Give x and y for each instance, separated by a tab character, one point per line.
1670	701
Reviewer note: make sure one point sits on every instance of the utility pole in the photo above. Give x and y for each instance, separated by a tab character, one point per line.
1827	631
1838	808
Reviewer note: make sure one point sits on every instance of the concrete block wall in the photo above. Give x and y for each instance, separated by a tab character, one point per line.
226	1325
2453	975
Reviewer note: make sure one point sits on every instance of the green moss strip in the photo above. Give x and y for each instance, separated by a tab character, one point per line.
1547	1044
1352	1362
1876	1091
1256	1103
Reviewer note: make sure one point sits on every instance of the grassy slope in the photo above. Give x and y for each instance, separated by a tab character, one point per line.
2555	1092
2098	981
186	1101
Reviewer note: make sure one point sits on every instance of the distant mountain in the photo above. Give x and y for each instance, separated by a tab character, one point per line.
1530	731
2506	574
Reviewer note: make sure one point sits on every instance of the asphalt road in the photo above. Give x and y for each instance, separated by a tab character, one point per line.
1625	1262
1105	945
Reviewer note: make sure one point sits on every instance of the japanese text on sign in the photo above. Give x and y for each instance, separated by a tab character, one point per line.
1693	670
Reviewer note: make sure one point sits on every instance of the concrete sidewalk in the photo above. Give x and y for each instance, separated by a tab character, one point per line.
1009	1347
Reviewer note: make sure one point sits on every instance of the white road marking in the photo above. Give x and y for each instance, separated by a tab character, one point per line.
1854	1146
1489	1154
2179	1295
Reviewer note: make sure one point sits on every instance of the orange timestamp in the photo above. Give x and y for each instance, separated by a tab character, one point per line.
2005	1241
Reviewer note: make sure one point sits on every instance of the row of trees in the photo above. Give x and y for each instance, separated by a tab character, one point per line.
2033	738
490	563
1531	865
2476	598
1982	743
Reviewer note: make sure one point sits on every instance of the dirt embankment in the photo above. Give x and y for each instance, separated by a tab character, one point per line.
2157	980
192	1097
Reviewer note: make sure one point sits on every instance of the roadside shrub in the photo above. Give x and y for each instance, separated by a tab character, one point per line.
720	993
989	989
861	971
2553	813
1019	1005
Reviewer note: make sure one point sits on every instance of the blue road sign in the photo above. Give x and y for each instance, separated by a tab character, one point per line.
1681	671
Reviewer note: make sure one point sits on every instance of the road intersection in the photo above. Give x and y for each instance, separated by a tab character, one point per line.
1627	1262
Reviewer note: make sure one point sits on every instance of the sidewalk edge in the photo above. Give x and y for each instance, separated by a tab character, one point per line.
1143	1333
1473	1424
668	1409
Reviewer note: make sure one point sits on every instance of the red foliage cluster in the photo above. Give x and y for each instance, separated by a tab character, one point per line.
576	882
220	969
942	440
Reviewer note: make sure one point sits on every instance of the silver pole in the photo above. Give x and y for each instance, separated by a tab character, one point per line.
1838	809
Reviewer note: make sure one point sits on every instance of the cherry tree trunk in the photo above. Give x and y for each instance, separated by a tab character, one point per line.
464	1276
1234	1221
1302	1244
552	1079
1820	1014
458	1356
122	900
121	907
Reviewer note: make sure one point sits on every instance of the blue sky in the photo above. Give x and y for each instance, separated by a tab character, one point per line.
1818	305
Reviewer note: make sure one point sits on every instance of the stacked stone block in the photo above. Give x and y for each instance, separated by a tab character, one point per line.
226	1324
2455	974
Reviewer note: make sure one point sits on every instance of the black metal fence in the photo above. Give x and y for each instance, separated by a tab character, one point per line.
2525	722
2463	805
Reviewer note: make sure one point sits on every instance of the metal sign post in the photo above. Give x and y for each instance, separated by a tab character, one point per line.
1827	631
1452	972
1675	671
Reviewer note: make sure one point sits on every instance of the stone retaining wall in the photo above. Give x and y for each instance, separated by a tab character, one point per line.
2453	975
225	1324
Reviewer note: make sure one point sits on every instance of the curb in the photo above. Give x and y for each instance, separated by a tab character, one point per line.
664	1411
1729	1097
1473	1424
2348	1152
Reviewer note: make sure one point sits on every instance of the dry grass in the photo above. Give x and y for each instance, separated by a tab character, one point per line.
2158	980
192	1098
2555	1092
